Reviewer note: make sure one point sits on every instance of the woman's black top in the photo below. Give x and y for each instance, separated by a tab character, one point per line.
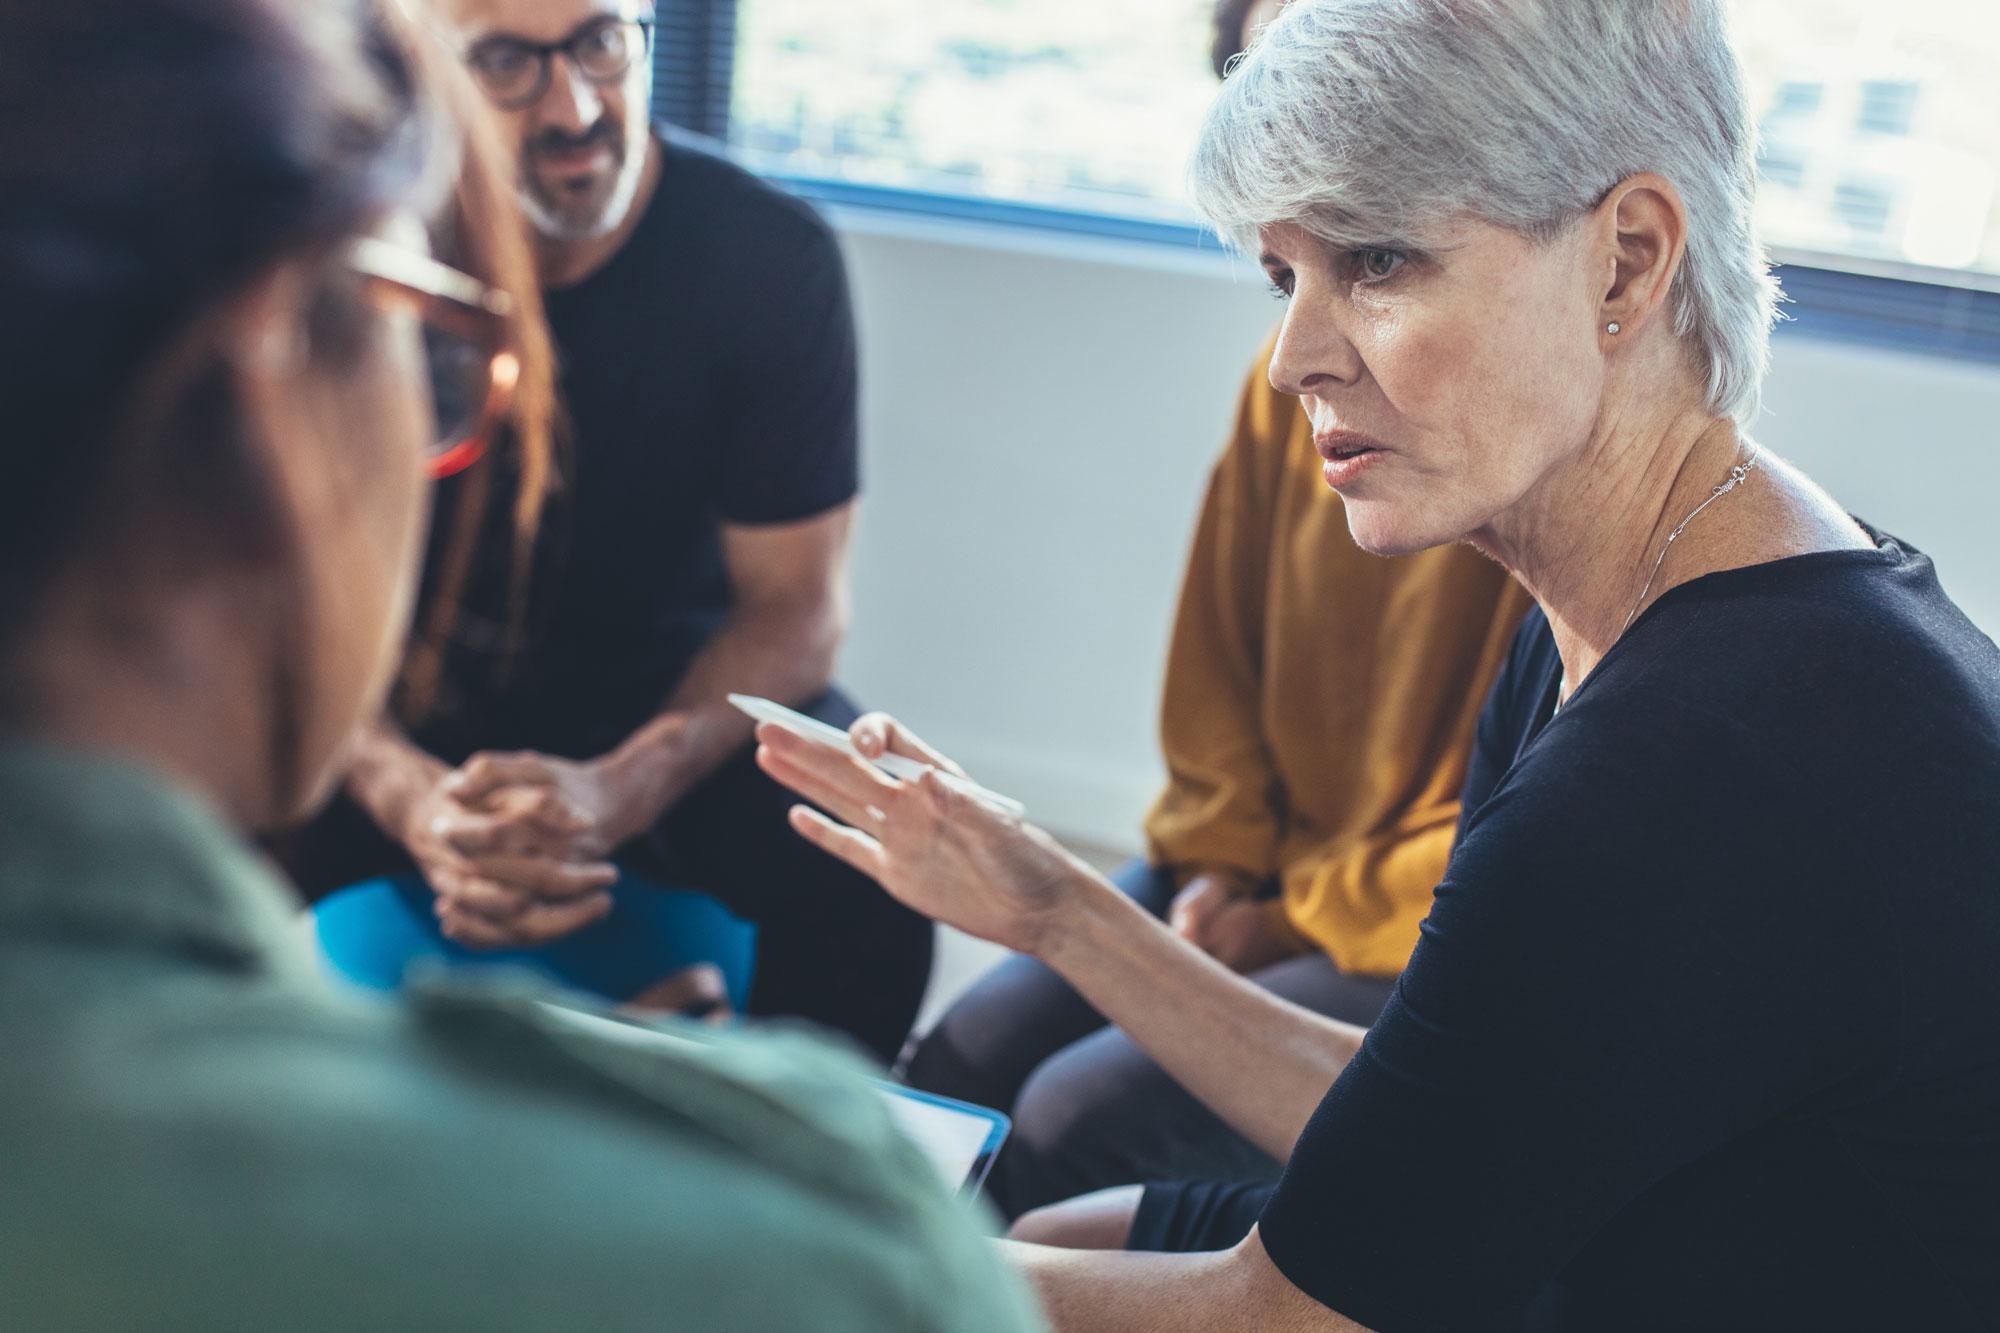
1703	1030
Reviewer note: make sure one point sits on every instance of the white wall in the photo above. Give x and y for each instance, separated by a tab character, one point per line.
1040	413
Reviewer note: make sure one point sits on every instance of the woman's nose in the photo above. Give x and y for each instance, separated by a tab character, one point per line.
1313	355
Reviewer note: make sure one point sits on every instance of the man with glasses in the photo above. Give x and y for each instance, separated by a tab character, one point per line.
694	546
581	176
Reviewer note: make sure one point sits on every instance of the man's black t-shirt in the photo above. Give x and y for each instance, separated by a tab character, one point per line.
1703	1029
708	378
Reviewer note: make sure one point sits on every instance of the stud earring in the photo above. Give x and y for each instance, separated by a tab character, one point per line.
1614	327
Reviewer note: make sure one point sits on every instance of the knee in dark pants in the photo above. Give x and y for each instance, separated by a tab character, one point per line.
989	1043
1066	1130
978	1052
936	1064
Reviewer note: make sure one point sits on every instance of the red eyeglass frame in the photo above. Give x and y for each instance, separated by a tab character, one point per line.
457	303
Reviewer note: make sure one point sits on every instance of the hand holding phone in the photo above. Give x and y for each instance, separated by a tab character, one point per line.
895	765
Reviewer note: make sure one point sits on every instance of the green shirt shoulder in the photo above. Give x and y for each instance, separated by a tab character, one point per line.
204	1134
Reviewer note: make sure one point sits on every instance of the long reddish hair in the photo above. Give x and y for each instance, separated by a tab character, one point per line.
484	235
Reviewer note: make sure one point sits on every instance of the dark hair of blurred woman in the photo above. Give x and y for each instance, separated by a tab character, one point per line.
227	360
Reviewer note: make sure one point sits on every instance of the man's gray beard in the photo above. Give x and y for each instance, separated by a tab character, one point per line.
624	189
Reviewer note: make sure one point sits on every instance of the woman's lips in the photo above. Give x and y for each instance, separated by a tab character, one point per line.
1348	454
1334	445
1341	473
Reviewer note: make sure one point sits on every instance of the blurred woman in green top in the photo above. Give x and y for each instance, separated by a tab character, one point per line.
228	360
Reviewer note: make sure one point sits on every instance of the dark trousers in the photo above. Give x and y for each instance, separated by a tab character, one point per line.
832	946
1091	1110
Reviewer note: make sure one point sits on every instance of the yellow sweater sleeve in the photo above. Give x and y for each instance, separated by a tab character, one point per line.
1373	799
1320	701
1221	805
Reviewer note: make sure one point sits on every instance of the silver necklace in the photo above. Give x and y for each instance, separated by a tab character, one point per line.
1737	476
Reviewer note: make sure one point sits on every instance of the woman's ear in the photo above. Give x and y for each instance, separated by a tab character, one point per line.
264	338
334	416
284	403
1640	235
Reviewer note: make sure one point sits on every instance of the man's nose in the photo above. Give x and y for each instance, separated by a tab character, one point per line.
572	102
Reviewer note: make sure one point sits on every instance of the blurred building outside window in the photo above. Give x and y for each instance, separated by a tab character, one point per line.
1880	123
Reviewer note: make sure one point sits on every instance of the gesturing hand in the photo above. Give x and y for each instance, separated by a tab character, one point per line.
930	843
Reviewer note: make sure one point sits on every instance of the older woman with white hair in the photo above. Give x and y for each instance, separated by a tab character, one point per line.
1704	1027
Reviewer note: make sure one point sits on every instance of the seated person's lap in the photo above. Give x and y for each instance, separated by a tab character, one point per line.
371	933
830	946
1188	1216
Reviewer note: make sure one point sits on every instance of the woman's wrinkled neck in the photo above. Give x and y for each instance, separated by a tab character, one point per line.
1585	538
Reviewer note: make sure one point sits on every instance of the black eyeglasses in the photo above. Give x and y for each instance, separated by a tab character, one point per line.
515	72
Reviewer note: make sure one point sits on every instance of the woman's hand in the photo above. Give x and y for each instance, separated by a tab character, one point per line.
1247	936
1219	913
1205	896
928	841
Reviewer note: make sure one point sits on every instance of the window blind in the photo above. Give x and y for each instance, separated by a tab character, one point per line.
694	57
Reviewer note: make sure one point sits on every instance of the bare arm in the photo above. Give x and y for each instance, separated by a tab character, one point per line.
1234	1291
789	613
789	584
780	639
1259	1062
390	775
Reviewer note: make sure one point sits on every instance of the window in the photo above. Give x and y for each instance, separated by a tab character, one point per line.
1779	166
1888	106
1089	107
1866	207
1881	128
1793	100
1882	123
694	47
1880	155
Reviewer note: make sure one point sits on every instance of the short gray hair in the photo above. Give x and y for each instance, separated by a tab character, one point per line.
1367	122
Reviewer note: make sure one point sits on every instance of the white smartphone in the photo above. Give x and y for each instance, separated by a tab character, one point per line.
895	765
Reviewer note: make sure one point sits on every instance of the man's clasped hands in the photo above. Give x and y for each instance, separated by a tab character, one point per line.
516	845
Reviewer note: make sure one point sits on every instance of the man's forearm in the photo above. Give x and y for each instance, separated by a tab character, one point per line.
389	774
781	653
1261	1063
